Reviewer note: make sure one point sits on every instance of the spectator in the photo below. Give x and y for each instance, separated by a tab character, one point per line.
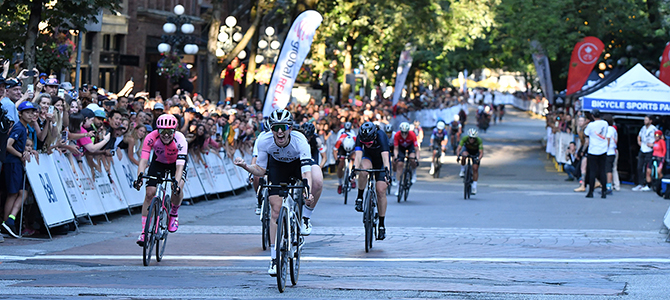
658	157
135	139
596	133
571	161
645	138
612	140
13	167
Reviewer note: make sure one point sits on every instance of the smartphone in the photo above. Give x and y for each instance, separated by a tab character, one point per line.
31	73
51	109
31	88
64	135
61	93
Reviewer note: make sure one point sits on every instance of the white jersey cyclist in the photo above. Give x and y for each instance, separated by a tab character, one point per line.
297	149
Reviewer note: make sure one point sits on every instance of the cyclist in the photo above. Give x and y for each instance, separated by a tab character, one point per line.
372	152
438	142
341	154
284	154
405	142
455	130
388	128
170	154
471	144
317	149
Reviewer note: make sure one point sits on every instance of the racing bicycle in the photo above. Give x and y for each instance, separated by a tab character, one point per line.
467	179
370	215
437	162
346	185
405	182
289	242
156	226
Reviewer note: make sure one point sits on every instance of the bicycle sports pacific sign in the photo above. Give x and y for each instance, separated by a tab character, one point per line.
293	52
627	106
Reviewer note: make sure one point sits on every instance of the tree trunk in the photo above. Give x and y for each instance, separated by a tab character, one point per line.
213	68
31	35
251	70
347	67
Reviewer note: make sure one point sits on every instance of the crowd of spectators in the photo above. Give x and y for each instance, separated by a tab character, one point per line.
92	124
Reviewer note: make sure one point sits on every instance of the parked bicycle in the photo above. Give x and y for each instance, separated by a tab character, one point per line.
405	182
370	215
289	242
156	226
467	179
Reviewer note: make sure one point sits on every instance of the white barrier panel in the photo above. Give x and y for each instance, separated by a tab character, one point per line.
429	117
217	171
206	179
193	183
94	205
666	218
126	173
48	190
72	188
110	198
562	140
238	176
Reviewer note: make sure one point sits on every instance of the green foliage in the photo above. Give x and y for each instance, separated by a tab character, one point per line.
54	53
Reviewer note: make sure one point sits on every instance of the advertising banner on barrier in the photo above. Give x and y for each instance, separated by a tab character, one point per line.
126	173
48	190
238	176
94	205
206	179
218	172
111	200
193	183
72	188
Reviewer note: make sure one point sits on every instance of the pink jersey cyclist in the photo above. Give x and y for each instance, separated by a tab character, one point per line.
176	151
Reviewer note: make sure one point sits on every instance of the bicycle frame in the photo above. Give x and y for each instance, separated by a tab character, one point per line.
369	208
157	215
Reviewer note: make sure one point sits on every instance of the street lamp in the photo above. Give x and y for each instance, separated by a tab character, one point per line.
178	30
229	35
268	46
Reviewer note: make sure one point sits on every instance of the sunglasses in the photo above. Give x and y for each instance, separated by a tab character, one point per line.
166	131
283	127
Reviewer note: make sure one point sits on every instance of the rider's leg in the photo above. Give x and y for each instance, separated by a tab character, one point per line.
256	183
362	180
475	174
432	161
275	205
340	170
648	177
381	199
150	192
413	163
177	199
464	153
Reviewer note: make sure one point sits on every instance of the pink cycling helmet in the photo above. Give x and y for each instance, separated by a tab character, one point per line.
166	121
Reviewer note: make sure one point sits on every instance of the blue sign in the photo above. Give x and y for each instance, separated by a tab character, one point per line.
628	106
48	188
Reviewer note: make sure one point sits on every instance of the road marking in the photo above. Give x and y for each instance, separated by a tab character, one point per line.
348	259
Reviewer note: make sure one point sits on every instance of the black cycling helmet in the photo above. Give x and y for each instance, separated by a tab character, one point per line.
308	129
347	126
368	132
281	116
388	128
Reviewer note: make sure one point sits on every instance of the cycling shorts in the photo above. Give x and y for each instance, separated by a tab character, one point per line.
402	150
658	160
474	161
377	163
282	172
158	169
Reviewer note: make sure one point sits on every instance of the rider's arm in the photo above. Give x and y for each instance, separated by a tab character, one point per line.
182	154
357	158
142	166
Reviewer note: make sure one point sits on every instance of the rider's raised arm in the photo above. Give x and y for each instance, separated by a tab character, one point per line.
182	148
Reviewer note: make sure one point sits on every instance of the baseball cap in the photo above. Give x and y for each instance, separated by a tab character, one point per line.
52	81
190	109
159	105
10	83
26	105
100	114
595	113
87	113
67	86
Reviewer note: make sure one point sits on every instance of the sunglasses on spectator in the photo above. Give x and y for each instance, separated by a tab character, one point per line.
283	127
166	131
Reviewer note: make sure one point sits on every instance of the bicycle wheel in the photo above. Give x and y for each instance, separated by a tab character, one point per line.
265	223
150	228
367	220
282	249
468	181
163	231
346	185
294	261
438	166
408	184
401	185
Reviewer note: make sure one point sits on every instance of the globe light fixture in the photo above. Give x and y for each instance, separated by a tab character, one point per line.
231	21
262	44
163	47
187	28
242	54
191	49
220	53
237	37
269	31
259	58
275	45
169	27
179	9
223	37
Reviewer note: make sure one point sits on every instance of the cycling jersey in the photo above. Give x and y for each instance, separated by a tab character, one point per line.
174	152
338	145
374	152
260	136
437	136
455	126
349	132
296	150
475	146
405	142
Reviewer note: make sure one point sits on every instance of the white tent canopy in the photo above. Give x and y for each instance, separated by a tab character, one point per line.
635	92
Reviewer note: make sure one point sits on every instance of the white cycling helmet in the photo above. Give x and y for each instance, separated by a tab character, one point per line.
440	125
457	118
404	127
348	143
472	133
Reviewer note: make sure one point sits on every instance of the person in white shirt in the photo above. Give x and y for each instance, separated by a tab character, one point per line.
644	138
612	139
596	132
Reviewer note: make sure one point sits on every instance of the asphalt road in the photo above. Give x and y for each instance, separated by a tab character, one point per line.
525	235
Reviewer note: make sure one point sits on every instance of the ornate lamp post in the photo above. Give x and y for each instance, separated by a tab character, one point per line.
268	47
178	30
229	35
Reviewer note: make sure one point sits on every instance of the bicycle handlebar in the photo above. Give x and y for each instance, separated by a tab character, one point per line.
160	180
286	186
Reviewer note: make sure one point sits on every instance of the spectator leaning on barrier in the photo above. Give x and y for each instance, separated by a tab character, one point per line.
13	167
596	132
644	139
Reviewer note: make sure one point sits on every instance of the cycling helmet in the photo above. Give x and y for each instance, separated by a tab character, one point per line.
472	133
266	124
166	121
388	128
308	129
440	125
457	118
658	132
281	116
348	143
368	132
347	126
296	126
404	127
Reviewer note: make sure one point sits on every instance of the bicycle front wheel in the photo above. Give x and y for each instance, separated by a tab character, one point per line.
282	249
346	186
161	243
294	261
408	183
265	224
367	220
468	182
150	228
